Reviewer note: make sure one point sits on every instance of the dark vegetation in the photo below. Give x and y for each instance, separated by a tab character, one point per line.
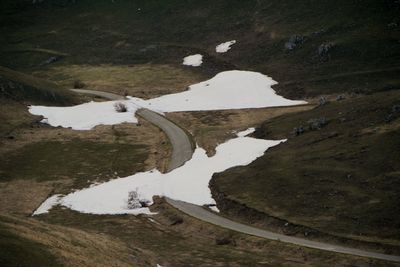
342	178
27	89
339	45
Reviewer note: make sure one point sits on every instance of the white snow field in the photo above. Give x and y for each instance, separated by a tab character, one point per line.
227	90
188	183
86	116
224	47
47	205
193	60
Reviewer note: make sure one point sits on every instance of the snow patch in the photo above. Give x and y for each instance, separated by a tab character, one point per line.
224	47
47	205
193	60
246	132
86	116
227	90
188	183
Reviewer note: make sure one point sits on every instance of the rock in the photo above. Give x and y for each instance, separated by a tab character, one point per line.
298	130
323	101
324	50
319	32
396	108
340	98
317	124
294	41
50	60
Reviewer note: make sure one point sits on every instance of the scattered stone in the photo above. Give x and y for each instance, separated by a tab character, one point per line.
340	98
322	31
294	41
50	60
395	112
324	51
317	124
322	101
298	130
148	48
396	108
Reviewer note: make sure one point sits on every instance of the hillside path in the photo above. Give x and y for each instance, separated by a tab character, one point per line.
182	151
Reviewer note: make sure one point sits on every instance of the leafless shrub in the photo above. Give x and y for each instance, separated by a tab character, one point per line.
78	84
133	200
120	107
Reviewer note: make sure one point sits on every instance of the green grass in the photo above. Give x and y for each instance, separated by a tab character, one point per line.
342	179
79	160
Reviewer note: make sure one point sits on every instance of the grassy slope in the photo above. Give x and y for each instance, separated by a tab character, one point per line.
17	90
29	242
20	87
365	56
80	160
342	179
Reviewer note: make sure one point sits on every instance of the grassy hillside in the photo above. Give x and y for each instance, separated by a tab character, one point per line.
17	90
342	179
341	46
20	87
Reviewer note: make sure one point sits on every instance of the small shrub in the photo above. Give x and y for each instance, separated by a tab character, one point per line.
120	107
78	84
133	200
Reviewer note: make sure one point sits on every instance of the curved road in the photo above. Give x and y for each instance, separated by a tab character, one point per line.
182	152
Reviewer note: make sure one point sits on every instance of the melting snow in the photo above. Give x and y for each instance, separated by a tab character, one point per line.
227	90
224	47
47	205
188	183
86	116
193	60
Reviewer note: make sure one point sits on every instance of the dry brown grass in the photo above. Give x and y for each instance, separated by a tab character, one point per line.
75	247
211	128
144	81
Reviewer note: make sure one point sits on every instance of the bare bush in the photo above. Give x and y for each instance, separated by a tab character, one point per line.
79	84
133	200
120	107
